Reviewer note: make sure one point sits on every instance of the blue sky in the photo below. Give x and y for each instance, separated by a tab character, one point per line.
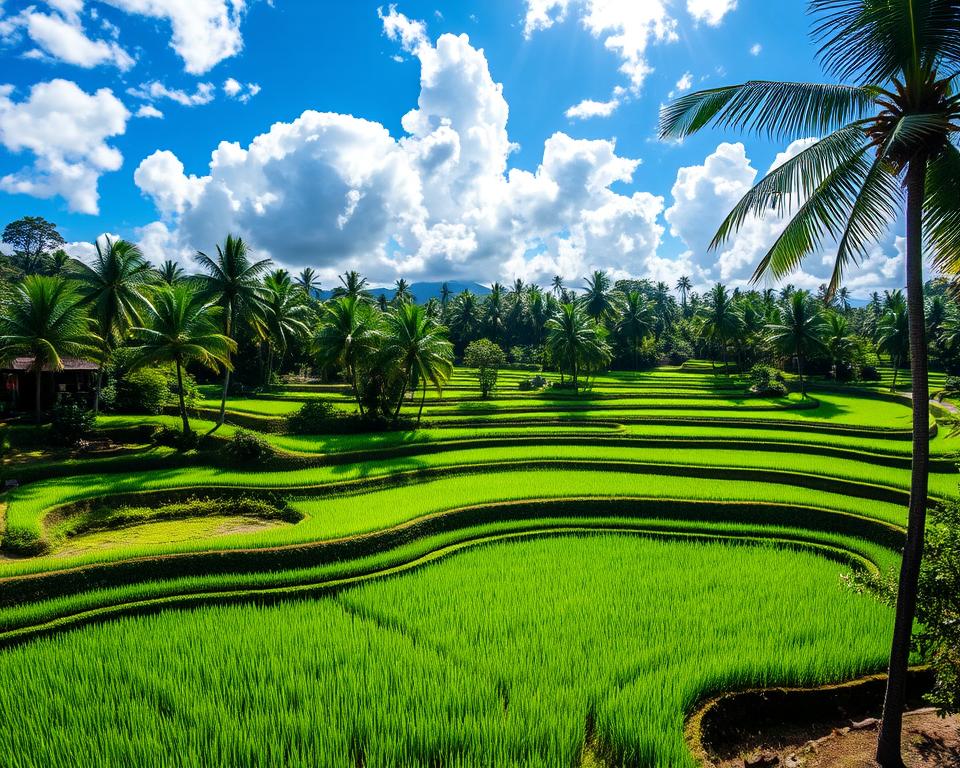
109	113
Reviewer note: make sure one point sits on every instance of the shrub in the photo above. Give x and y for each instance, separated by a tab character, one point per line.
680	350
247	447
767	381
536	382
144	391
314	417
869	373
71	421
487	358
174	438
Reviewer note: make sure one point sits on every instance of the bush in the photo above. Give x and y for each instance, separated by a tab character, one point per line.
680	351
536	382
144	391
174	438
487	358
767	381
869	373
246	447
314	417
71	422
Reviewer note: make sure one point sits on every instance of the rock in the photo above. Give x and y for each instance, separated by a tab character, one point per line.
792	761
863	725
761	760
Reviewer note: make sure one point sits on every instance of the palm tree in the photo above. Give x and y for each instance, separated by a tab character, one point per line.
684	286
307	280
44	319
170	272
352	284
663	308
233	281
182	328
419	348
893	337
636	322
286	316
402	294
493	312
800	331
843	299
347	338
575	342
599	300
113	289
893	130
720	321
557	285
464	318
838	340
444	297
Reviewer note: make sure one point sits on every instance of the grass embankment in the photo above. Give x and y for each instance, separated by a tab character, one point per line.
512	654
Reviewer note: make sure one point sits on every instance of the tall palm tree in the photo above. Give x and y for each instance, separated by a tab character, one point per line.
843	299
598	299
113	288
494	311
575	342
444	297
893	337
182	327
720	321
287	316
352	284
837	339
402	293
557	285
800	331
684	286
233	282
347	337
308	281
44	319
663	309
170	272
889	146
464	318
636	322
419	347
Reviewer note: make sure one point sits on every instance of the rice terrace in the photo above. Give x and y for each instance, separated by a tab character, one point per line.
334	500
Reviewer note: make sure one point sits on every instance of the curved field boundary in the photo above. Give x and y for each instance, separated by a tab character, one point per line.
712	719
266	595
20	589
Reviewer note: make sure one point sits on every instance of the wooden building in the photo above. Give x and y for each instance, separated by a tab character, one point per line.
18	383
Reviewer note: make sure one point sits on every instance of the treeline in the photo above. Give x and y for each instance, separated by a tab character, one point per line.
239	319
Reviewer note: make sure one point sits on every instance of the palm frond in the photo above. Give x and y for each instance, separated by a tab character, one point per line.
942	210
780	110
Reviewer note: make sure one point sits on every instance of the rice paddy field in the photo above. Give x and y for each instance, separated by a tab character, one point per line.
540	578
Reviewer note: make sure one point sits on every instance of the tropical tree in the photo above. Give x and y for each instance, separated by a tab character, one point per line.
598	299
170	272
286	316
347	337
464	318
719	321
114	288
838	340
494	311
32	238
402	295
893	337
684	286
557	285
889	146
308	281
46	321
487	358
800	331
445	295
233	282
575	342
419	348
352	284
182	327
635	323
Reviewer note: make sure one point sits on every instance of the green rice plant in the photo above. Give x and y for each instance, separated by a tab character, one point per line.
512	654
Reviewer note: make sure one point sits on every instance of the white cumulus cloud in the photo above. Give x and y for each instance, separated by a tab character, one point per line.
710	11
66	129
155	91
590	108
335	191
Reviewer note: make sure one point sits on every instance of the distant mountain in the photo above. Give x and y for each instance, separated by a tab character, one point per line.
424	291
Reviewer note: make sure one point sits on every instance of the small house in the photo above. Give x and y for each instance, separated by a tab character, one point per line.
18	383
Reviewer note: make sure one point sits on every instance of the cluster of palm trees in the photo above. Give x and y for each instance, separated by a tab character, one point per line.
166	316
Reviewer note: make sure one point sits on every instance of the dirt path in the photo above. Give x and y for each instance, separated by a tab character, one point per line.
929	741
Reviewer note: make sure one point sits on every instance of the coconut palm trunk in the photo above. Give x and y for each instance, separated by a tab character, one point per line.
423	398
889	742
803	388
183	404
228	324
